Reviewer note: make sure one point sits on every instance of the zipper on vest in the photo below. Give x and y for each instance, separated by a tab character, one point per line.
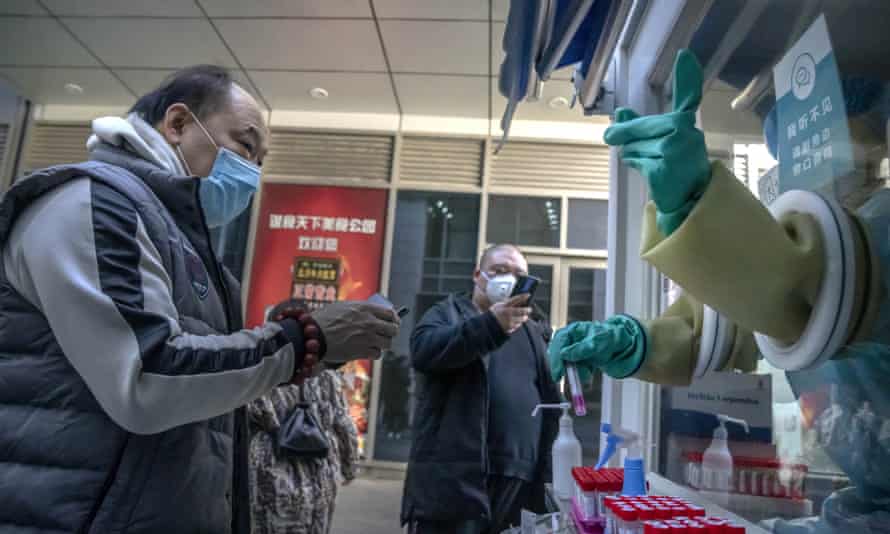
216	269
106	487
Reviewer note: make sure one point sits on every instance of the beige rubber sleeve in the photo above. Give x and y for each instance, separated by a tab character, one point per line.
674	340
744	353
731	254
673	343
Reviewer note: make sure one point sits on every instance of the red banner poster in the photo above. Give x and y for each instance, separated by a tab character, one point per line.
319	244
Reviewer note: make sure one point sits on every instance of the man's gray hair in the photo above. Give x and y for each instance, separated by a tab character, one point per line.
486	254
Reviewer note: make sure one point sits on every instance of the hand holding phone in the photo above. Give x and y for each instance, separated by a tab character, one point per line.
511	313
379	300
526	285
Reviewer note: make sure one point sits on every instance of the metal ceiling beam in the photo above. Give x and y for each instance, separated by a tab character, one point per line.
760	85
735	35
616	20
685	26
634	20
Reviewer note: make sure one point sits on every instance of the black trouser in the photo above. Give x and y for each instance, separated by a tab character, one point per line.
508	497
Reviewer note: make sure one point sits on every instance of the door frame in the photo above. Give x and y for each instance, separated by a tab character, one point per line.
556	311
565	274
559	297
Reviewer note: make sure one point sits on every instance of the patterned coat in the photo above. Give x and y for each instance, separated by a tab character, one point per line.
296	495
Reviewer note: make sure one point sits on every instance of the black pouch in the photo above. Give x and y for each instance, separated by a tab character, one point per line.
300	435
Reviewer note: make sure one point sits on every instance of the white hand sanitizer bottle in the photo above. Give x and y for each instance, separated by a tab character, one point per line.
566	451
717	460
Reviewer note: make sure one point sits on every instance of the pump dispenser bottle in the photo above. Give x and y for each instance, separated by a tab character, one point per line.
566	451
634	468
717	460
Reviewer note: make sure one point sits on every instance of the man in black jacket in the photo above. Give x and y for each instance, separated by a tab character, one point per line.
478	456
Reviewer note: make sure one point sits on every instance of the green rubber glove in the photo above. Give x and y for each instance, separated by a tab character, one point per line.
617	345
668	149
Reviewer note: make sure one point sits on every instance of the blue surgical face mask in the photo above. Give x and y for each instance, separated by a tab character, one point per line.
227	190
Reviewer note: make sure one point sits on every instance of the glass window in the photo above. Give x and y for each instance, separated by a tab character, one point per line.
529	221
587	294
542	303
588	224
433	254
586	302
817	447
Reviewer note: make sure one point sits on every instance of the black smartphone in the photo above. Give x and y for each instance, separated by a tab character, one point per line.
379	300
526	285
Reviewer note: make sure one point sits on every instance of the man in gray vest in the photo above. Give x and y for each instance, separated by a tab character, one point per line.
123	363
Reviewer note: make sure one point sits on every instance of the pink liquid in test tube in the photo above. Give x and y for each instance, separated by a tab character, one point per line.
577	392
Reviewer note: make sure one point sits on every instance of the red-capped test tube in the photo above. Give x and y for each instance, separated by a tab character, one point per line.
585	492
655	527
628	520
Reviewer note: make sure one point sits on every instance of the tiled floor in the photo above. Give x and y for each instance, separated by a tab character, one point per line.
370	505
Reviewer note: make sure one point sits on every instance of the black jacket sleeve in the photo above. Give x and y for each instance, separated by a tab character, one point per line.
443	341
549	391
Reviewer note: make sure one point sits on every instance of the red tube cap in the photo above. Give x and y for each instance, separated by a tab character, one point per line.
696	511
655	527
627	513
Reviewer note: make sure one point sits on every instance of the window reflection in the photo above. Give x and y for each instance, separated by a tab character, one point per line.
529	221
433	254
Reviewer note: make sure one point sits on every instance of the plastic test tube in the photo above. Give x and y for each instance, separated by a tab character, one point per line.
662	512
655	527
613	521
583	491
577	392
677	527
646	512
715	525
695	511
628	520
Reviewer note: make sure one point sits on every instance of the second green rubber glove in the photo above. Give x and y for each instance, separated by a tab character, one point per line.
668	149
617	346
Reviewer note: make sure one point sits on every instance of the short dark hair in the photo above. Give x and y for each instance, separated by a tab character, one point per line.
494	248
205	89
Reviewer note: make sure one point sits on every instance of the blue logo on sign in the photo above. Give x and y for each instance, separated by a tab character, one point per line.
803	76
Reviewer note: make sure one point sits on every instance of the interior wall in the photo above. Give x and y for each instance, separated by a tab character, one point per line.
9	103
11	117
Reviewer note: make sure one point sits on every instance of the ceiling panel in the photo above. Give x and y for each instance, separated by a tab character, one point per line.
436	46
288	8
123	8
497	53
350	45
152	43
348	92
458	96
47	86
21	7
142	81
541	110
432	9
40	41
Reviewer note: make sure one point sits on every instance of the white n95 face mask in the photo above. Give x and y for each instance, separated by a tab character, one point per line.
498	288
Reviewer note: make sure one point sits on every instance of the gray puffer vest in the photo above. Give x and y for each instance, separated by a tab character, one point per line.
65	466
